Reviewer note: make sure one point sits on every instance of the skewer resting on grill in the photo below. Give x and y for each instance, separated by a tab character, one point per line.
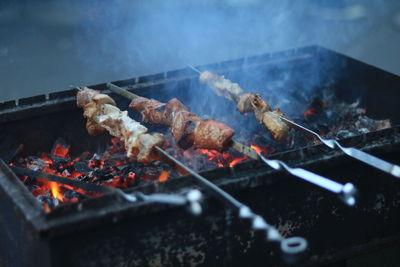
264	114
346	192
247	102
102	114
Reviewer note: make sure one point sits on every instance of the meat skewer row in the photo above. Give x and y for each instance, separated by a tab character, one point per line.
188	129
248	102
278	124
102	114
345	191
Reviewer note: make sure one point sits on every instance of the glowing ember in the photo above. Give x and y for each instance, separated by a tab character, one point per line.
163	176
111	168
236	161
263	150
60	150
259	150
221	159
310	111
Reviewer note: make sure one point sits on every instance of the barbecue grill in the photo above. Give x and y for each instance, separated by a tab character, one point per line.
106	231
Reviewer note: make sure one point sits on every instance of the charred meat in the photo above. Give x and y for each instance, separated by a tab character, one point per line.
247	102
102	114
188	129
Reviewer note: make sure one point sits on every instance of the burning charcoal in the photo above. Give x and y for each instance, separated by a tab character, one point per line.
71	194
51	203
122	168
60	148
344	134
59	160
151	171
66	173
81	167
96	157
36	164
109	164
363	130
85	178
118	156
32	187
85	156
102	175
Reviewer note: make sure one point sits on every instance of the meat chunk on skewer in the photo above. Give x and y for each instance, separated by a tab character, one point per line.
187	128
247	102
102	114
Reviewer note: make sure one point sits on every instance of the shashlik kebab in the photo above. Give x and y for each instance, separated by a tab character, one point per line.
248	102
276	122
156	112
102	114
188	129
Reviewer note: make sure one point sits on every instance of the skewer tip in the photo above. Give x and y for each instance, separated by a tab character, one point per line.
194	68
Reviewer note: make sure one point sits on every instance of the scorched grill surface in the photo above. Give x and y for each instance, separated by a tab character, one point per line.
106	231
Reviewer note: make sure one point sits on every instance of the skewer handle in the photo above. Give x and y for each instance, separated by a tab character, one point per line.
347	192
289	246
369	159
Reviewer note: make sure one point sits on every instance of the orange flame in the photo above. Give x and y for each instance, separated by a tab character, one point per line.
163	176
257	149
236	161
55	191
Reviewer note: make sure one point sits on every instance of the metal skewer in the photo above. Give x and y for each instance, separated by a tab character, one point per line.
346	192
289	246
369	159
195	69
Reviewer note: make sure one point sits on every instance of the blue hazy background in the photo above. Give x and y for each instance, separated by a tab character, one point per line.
48	46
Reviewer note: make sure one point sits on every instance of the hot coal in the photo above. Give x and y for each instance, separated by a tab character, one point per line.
325	114
335	119
82	167
111	168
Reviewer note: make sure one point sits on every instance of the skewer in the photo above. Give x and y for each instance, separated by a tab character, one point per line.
194	68
289	246
357	154
346	192
369	159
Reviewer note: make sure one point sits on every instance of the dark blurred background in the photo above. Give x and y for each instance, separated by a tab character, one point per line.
49	46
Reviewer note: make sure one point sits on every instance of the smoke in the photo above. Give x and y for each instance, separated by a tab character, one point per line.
143	37
111	40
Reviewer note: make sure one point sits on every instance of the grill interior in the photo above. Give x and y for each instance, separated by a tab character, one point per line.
128	234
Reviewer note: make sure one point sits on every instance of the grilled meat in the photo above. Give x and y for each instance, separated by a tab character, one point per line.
102	114
247	102
188	129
